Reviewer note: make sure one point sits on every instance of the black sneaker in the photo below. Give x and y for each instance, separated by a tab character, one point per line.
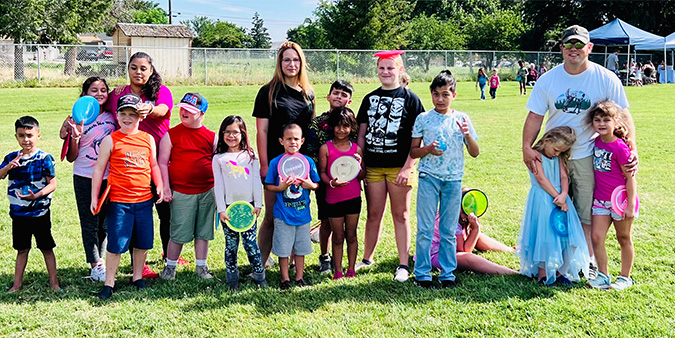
301	283
139	284
285	285
106	292
448	284
324	263
427	284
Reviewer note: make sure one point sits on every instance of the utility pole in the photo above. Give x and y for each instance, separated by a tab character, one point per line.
170	12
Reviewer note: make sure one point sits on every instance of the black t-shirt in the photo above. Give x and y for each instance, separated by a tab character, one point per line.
390	116
288	106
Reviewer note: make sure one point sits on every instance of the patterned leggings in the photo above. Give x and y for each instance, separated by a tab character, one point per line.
250	245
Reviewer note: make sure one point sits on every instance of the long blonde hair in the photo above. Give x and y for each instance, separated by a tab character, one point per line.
558	136
279	76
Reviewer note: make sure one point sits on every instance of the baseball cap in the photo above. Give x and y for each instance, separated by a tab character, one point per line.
129	101
195	103
576	32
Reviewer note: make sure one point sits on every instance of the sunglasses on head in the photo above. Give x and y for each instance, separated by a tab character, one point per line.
577	45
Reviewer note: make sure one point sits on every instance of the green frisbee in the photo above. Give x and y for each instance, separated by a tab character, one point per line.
474	201
241	216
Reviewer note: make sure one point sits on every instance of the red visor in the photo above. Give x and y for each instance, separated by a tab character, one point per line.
388	54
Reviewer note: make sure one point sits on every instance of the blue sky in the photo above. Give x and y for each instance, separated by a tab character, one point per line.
279	15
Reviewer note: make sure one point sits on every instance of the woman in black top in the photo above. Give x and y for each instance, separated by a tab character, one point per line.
287	98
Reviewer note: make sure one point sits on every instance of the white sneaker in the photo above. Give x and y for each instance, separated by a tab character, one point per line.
401	274
621	283
97	273
364	263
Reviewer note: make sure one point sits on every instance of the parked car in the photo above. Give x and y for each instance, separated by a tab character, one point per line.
88	54
108	53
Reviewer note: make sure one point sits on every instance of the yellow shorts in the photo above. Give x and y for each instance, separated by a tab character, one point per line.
375	175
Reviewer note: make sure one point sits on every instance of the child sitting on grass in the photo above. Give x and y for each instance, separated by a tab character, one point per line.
291	209
32	180
132	157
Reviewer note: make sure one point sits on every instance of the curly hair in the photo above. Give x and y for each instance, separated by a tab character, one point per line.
563	136
624	122
150	88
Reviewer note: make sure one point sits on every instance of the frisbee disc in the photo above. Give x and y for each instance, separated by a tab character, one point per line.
620	200
295	165
474	201
241	216
345	168
102	199
85	109
64	148
388	53
558	222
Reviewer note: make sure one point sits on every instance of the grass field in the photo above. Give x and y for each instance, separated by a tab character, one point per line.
372	304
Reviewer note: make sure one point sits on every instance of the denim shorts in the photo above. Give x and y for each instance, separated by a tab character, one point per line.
125	219
604	208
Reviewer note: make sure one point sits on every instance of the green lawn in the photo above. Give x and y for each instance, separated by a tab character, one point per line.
372	304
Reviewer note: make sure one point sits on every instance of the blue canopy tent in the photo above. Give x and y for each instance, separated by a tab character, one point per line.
619	32
667	44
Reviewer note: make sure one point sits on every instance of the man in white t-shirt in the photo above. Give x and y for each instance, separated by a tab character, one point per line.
612	62
567	92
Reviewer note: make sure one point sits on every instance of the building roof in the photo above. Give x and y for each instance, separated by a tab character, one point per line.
154	30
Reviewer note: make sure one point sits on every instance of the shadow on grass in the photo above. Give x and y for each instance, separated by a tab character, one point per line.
375	285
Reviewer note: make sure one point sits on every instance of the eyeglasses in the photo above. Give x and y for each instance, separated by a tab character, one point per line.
287	60
231	133
577	45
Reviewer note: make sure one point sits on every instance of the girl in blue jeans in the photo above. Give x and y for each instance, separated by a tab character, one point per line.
444	132
481	81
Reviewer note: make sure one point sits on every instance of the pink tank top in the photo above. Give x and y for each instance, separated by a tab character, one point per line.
343	193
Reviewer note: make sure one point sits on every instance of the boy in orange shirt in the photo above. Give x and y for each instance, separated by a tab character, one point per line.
132	157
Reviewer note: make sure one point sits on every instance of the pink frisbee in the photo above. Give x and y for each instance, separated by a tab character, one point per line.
295	165
619	200
388	53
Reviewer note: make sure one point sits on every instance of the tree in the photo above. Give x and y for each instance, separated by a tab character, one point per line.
309	35
135	11
259	35
222	34
196	24
49	21
365	24
502	30
430	33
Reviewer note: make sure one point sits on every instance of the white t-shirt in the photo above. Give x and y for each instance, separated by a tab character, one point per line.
567	99
236	178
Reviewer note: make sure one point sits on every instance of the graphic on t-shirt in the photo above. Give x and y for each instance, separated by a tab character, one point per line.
573	101
602	160
135	159
292	196
384	117
236	170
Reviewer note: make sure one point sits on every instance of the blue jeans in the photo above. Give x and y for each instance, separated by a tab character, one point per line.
430	192
482	91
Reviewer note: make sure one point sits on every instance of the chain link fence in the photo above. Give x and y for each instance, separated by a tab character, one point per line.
69	65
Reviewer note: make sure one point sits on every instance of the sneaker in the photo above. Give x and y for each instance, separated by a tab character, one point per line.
259	279
169	272
139	284
562	280
592	271
97	273
364	263
621	283
402	273
301	283
350	274
337	275
427	284
324	263
106	292
285	285
203	272
601	282
448	284
149	274
270	262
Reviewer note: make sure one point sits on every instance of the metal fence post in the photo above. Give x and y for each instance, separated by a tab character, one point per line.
445	59
337	61
38	64
126	60
205	69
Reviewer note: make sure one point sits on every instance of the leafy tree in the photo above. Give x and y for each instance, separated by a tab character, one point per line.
134	11
501	30
222	34
365	24
49	21
154	14
196	24
309	35
430	33
261	38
